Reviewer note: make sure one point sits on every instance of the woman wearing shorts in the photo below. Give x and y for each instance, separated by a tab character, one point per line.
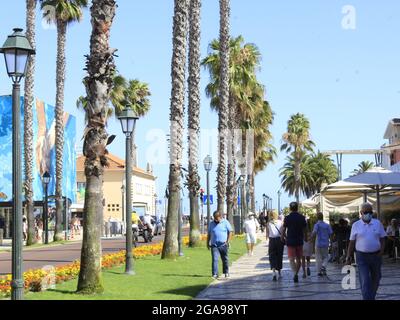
251	226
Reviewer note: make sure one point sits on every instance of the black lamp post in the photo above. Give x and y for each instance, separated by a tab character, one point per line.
46	181
128	121
17	51
123	205
264	202
208	166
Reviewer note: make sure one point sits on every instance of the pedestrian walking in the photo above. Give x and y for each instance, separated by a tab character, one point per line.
307	252
251	226
275	244
294	234
218	237
393	233
368	238
322	232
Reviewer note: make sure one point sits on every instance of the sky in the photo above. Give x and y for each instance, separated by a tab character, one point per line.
335	61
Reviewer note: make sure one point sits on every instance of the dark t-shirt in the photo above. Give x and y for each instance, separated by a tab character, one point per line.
295	224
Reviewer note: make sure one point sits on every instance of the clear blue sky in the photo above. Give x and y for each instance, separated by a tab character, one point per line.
345	81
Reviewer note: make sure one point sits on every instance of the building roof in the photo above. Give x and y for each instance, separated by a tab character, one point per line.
391	124
115	164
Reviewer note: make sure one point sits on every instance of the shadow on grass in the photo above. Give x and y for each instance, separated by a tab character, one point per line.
71	292
185	275
191	291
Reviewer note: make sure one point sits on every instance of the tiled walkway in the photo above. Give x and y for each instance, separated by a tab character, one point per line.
251	278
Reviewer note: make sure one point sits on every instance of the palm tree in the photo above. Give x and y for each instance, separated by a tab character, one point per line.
362	167
264	151
99	82
316	170
116	97
244	61
193	179
288	175
323	170
132	94
297	140
135	96
178	66
66	12
223	100
28	122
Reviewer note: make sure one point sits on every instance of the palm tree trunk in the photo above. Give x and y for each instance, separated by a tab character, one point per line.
28	122
230	189
297	177
178	66
224	101
101	68
194	120
60	76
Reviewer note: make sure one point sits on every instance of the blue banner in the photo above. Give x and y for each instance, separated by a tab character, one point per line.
205	199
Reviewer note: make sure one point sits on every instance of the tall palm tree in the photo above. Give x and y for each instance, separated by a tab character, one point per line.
264	151
99	82
362	167
224	38
66	12
316	170
28	121
193	178
297	140
323	170
116	97
244	62
136	96
288	175
178	66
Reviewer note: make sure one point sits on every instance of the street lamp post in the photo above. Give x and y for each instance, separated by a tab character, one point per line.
264	203
208	166
17	51
128	120
123	204
46	181
242	202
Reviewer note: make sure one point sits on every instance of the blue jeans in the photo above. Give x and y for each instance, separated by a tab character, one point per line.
216	251
369	269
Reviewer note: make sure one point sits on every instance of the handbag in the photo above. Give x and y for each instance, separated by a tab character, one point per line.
283	241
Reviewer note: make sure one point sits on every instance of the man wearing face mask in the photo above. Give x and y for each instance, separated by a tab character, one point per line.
219	234
368	239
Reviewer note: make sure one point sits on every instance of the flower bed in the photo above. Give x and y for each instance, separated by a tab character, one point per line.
39	279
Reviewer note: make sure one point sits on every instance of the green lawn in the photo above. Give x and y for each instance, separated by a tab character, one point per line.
155	279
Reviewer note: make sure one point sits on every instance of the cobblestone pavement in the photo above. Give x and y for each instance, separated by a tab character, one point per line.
251	279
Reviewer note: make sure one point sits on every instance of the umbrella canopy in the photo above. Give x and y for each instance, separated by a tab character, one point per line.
378	179
376	176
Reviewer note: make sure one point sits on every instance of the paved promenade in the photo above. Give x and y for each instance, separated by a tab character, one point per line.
251	279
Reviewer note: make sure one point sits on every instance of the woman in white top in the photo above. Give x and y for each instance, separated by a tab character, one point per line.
250	227
275	247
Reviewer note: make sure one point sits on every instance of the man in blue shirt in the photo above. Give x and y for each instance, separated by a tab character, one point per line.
322	231
219	234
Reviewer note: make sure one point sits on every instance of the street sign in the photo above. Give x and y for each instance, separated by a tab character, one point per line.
205	199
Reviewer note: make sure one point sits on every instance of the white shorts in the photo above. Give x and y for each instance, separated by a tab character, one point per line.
251	238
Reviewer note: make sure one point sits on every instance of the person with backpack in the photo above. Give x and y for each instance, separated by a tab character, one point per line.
276	246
